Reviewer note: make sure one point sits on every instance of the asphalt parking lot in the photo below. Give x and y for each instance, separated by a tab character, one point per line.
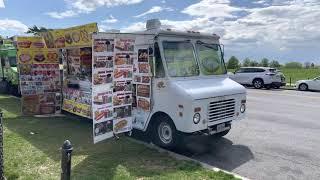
279	139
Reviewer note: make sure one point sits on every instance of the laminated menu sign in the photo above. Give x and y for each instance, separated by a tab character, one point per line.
142	89
39	77
112	76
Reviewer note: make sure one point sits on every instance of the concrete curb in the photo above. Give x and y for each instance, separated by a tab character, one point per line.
181	157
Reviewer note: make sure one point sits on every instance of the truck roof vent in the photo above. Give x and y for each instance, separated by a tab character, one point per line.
153	24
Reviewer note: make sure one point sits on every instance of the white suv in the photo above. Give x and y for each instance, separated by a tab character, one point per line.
258	77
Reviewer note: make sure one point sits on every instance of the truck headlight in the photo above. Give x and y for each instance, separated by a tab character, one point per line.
196	118
243	108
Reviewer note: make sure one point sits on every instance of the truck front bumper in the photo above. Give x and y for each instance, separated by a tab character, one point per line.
214	129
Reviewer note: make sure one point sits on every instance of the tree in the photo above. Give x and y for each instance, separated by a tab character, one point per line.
254	63
293	65
274	64
246	62
233	63
265	62
36	31
312	65
307	65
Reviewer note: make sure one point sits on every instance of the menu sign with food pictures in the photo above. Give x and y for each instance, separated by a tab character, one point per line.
112	75
70	37
39	77
142	89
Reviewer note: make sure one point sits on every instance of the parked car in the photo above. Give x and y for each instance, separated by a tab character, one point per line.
258	77
313	84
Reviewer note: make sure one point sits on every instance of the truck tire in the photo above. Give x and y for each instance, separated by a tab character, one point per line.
165	133
257	83
221	134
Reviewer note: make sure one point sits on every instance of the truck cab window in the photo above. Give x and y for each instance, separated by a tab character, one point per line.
158	62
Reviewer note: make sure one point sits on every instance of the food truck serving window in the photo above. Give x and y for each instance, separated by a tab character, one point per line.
210	59
180	59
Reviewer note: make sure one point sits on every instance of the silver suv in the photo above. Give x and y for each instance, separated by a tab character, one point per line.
258	77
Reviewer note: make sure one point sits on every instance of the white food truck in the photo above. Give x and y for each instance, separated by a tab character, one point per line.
166	83
190	90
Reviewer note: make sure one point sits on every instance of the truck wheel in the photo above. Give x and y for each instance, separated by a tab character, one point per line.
221	134
257	83
165	133
303	87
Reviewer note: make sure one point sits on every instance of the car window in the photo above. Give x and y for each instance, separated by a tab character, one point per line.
259	70
240	70
273	70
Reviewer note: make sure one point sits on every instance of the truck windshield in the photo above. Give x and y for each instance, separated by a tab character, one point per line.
210	59
180	59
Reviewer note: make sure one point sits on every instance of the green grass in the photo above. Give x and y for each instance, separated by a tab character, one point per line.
32	151
299	74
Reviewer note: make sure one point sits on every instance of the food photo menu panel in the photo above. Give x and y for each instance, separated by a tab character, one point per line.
142	89
39	77
112	76
102	91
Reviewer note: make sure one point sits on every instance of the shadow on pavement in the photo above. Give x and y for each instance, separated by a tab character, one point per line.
218	152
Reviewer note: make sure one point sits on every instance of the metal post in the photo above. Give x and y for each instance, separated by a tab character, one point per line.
290	81
1	147
66	151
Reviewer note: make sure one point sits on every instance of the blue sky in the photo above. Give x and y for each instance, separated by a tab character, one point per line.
285	30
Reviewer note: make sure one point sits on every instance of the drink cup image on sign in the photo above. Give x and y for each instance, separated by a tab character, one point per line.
143	55
122	112
103	128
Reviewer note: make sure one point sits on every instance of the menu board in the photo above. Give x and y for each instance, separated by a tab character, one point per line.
70	37
142	88
112	75
39	77
77	81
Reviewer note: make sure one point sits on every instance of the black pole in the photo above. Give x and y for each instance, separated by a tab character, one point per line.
66	151
1	147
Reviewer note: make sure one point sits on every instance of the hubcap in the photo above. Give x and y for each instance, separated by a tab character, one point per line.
303	87
165	132
257	84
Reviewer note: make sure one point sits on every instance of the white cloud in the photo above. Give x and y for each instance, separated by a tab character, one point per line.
2	4
12	26
61	15
110	20
92	5
76	7
291	25
212	9
154	9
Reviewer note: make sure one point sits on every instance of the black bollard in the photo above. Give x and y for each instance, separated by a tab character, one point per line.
1	147
66	160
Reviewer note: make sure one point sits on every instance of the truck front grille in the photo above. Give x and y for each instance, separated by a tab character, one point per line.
223	109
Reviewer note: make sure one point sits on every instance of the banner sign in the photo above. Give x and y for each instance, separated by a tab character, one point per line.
112	75
70	37
39	75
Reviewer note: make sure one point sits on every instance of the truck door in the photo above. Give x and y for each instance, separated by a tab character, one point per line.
142	96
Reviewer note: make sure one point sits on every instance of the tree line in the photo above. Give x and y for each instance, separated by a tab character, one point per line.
234	63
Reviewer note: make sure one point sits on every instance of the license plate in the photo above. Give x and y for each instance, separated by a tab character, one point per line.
220	127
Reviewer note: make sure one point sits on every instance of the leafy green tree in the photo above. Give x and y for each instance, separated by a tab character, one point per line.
35	30
254	63
293	65
264	62
246	62
233	63
275	64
